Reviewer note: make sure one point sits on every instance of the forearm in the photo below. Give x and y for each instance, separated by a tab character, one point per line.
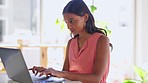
87	78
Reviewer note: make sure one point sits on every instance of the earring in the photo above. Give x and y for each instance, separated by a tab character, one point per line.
71	35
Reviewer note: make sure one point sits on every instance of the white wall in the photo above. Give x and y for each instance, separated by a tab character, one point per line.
141	32
145	30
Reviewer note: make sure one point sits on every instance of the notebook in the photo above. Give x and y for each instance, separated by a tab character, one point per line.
17	70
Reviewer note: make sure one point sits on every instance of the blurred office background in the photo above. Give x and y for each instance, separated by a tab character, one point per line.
31	25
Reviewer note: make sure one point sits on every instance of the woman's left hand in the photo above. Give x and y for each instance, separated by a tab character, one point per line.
53	72
37	70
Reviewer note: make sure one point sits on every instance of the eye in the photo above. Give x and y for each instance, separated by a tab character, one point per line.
71	21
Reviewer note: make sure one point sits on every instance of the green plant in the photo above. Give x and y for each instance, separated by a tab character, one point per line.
104	25
141	73
61	23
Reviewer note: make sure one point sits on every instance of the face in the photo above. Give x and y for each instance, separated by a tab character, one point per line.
75	23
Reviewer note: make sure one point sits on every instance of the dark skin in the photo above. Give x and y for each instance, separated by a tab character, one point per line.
36	70
76	25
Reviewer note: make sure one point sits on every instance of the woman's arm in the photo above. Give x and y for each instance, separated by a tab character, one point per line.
99	65
66	62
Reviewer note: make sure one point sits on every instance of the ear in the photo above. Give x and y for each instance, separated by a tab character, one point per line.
86	17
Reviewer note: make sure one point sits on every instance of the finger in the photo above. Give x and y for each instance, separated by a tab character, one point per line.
36	73
34	66
51	70
47	76
30	68
41	74
40	70
54	74
48	73
33	71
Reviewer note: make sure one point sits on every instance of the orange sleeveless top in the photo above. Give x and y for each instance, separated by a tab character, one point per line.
82	61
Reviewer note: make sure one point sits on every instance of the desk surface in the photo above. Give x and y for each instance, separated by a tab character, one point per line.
4	79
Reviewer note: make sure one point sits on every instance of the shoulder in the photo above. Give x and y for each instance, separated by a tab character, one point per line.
103	39
71	41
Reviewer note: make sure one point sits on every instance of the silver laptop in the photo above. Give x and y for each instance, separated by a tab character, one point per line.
17	70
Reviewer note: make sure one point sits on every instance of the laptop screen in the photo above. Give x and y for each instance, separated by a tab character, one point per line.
15	65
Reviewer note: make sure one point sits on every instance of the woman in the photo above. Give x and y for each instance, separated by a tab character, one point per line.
88	55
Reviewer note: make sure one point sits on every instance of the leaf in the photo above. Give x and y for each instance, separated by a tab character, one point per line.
57	21
131	81
104	25
140	72
109	31
62	26
145	78
93	8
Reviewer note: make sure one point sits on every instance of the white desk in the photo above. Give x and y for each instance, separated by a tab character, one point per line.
4	79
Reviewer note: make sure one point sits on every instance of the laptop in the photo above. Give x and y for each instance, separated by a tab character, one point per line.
17	70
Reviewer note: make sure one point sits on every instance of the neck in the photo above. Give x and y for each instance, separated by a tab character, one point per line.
84	36
82	39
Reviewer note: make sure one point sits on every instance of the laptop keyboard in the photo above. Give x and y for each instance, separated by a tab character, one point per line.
47	80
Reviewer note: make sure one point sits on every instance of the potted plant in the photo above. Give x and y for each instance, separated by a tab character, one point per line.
141	73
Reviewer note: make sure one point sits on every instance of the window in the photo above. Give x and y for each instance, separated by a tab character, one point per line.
3	27
23	21
2	2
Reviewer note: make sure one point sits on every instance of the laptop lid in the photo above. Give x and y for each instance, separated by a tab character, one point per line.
15	65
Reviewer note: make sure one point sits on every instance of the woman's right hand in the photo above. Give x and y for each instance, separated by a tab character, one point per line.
37	70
